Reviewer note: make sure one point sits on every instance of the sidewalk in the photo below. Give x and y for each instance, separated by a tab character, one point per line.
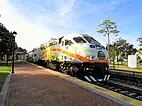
31	86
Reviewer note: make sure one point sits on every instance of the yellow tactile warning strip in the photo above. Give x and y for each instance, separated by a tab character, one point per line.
119	98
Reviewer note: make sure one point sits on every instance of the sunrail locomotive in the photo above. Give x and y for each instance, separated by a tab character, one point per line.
77	55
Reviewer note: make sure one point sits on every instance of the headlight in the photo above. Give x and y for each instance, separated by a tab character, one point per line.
90	57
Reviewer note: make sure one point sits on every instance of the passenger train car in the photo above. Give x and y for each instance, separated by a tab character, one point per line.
76	55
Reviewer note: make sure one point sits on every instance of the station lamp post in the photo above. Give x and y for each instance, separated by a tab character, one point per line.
13	33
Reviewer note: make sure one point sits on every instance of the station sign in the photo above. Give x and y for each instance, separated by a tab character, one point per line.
132	61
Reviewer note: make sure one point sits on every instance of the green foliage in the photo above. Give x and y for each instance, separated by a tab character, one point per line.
140	40
140	49
112	52
7	44
121	48
108	27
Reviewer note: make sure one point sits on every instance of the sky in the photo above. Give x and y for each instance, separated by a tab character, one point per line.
36	21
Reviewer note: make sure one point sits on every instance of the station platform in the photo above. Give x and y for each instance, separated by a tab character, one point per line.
33	85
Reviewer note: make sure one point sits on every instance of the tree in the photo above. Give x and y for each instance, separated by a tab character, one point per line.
7	44
108	27
131	50
140	41
140	49
123	48
4	38
112	53
8	39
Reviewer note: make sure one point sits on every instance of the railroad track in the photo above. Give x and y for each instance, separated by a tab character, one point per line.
132	78
124	84
122	89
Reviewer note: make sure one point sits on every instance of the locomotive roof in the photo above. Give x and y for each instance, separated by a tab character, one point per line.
69	36
75	35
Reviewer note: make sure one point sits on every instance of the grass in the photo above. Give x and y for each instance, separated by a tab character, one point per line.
125	67
4	71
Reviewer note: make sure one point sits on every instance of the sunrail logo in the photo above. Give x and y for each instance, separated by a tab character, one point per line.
101	55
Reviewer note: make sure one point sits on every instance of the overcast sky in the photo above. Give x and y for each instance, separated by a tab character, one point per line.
36	21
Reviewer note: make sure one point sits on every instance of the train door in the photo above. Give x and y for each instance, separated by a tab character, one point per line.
68	49
63	50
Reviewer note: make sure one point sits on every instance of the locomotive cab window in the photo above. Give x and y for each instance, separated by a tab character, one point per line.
62	43
60	40
68	42
42	48
79	40
50	44
91	40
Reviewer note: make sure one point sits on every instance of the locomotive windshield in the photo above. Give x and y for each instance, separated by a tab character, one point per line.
79	40
91	40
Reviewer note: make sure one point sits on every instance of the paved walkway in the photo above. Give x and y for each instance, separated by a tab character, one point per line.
31	86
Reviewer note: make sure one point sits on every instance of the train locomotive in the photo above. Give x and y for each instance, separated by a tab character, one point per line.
75	54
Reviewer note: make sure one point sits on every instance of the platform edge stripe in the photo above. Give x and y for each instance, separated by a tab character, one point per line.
121	99
110	95
100	93
107	95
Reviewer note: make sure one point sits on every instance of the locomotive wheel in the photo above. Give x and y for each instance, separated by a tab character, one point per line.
70	73
73	71
64	71
50	66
